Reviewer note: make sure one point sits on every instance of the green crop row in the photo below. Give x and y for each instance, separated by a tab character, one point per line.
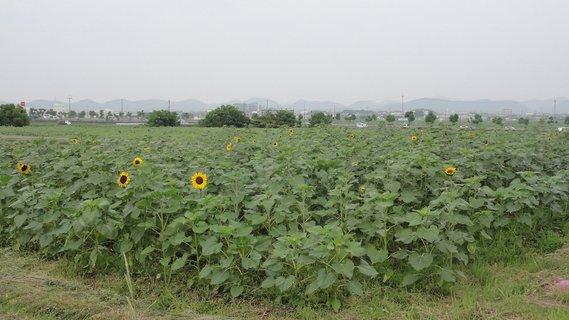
303	215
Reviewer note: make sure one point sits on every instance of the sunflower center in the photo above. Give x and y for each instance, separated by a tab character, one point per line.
25	167
199	180
123	179
137	161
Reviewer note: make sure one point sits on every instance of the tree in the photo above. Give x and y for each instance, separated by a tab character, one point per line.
338	116
497	120
72	114
410	115
285	118
430	118
524	121
390	118
453	118
551	120
320	118
82	114
163	118
101	113
225	115
350	117
92	114
477	119
12	115
567	120
371	118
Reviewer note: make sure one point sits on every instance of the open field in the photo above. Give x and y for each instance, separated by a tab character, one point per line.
397	223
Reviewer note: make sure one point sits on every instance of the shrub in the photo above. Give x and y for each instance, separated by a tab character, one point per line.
431	117
497	120
225	115
477	119
410	115
453	118
320	118
163	118
12	115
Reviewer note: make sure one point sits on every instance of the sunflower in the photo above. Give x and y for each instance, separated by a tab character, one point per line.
450	171
24	168
137	161
362	189
229	147
75	141
471	135
124	179
237	139
254	140
290	131
146	149
275	144
414	138
351	135
199	180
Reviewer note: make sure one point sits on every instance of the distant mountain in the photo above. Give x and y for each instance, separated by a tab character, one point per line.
439	105
483	105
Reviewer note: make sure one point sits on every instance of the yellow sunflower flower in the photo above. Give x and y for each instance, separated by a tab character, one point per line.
75	141
362	189
24	168
146	149
229	147
471	135
414	138
137	161
237	139
450	170
275	144
199	180
124	179
291	132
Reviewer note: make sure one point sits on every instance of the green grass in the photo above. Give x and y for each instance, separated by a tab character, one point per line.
32	288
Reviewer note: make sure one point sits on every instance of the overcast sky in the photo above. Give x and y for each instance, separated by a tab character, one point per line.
337	50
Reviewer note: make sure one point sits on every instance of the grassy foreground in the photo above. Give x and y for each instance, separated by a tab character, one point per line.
31	288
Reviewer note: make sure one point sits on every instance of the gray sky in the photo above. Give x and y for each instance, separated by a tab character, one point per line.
283	49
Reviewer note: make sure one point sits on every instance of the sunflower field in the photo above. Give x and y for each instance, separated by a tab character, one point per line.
296	215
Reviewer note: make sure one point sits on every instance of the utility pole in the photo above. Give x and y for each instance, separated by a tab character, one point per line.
122	109
554	107
402	97
69	104
168	104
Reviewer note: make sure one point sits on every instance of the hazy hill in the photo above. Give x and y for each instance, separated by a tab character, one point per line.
439	105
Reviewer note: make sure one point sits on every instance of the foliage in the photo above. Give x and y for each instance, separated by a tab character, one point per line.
477	119
410	115
320	118
282	118
12	115
225	116
431	117
524	121
371	118
453	118
567	120
497	120
390	118
290	220
350	117
162	118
